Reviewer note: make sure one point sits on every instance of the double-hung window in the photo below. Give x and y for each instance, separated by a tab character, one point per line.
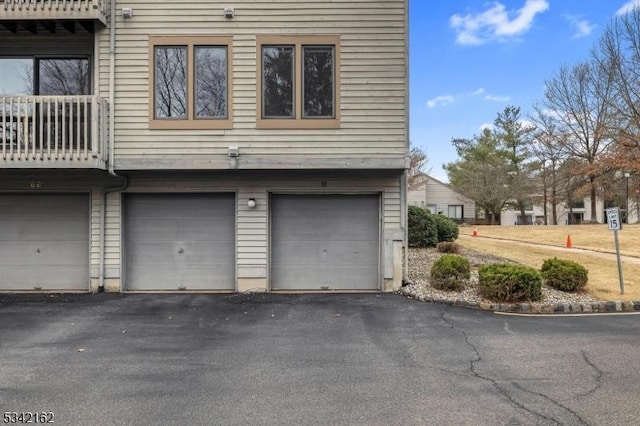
298	82
190	84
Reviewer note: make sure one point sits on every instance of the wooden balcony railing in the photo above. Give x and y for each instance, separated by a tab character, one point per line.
53	132
54	10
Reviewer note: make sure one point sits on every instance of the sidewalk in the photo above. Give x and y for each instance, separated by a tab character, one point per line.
600	254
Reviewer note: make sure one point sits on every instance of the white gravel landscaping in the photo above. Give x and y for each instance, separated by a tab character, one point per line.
420	261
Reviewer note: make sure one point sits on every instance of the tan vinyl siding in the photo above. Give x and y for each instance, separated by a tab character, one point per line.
96	202
112	235
442	196
252	224
372	90
418	196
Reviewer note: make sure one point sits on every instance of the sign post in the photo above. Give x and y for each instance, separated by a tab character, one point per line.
613	221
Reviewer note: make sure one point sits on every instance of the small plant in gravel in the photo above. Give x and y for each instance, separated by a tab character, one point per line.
449	247
447	228
450	273
564	275
502	282
423	231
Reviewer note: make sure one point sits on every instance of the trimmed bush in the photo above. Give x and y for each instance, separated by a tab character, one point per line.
450	273
447	228
564	275
449	247
502	282
423	231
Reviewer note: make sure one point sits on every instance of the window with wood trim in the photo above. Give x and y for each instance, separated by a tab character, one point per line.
190	84
298	82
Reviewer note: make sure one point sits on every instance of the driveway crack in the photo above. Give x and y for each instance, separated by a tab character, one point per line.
554	402
472	368
598	376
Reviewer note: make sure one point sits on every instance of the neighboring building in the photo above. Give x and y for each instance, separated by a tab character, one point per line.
162	146
579	213
440	198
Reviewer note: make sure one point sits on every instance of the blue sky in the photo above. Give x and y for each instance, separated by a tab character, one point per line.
471	58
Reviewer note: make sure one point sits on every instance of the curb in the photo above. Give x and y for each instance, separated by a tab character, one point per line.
533	307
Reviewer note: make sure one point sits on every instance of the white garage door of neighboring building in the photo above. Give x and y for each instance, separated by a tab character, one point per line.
179	241
44	242
325	242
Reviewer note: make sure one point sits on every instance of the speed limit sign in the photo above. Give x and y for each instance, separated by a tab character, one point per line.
613	219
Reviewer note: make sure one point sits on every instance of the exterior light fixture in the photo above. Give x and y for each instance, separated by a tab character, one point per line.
251	203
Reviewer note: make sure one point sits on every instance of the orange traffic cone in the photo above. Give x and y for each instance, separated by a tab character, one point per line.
569	242
474	233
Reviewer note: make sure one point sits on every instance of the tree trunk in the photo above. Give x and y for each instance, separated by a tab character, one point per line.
554	193
594	216
522	212
570	217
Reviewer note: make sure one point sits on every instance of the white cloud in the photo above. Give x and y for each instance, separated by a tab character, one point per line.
484	126
497	98
582	26
628	7
496	22
444	100
440	100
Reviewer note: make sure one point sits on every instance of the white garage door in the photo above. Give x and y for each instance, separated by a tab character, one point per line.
325	242
44	242
179	241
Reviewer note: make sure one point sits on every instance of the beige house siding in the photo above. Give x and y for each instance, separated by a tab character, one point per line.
372	87
431	192
253	225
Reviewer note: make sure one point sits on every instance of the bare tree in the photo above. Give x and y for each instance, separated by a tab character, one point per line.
618	54
547	146
417	164
63	77
579	104
171	82
211	81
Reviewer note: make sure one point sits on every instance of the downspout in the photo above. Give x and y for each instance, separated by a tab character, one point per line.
111	145
403	180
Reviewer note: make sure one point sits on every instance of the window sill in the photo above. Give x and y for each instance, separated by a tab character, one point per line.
292	124
190	124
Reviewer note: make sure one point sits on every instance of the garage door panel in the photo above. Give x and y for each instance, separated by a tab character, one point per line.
348	229
180	241
44	253
44	205
327	253
319	203
325	242
171	229
350	278
180	253
51	277
180	206
209	277
44	242
29	228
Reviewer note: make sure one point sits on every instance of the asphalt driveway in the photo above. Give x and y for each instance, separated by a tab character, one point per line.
311	359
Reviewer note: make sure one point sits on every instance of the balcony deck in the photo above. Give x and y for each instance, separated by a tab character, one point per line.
61	132
18	11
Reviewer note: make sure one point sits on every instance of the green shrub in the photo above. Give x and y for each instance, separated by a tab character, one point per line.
450	273
564	275
509	283
449	247
447	228
422	228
